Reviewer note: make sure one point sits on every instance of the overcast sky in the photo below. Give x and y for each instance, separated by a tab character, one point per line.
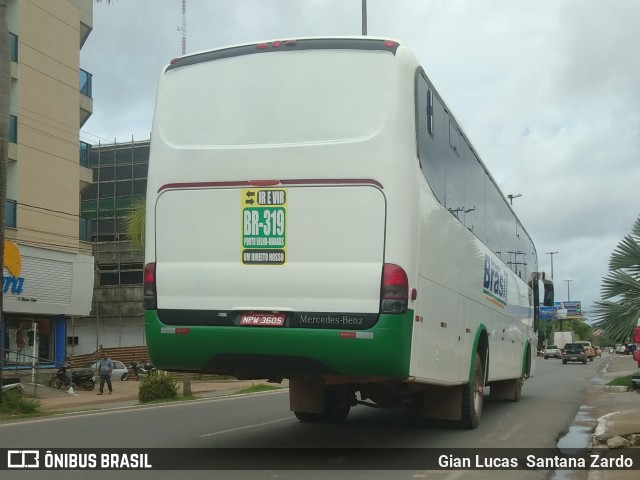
548	91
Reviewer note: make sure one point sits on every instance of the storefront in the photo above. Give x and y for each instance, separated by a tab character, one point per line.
41	289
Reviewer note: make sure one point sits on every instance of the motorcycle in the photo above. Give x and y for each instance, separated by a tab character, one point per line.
82	378
12	384
140	369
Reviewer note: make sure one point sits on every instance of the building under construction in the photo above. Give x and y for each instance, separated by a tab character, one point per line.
119	177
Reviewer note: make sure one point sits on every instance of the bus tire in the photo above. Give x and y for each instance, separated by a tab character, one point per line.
308	416
472	396
336	403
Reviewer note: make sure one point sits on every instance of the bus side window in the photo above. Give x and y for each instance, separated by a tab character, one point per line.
428	113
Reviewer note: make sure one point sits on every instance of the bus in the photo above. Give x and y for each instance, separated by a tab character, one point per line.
316	214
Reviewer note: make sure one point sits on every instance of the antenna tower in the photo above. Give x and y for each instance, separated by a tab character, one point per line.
184	27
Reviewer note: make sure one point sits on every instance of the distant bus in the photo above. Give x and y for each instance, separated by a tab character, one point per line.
315	213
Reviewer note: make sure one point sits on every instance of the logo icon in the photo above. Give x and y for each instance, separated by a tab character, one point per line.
23	459
12	258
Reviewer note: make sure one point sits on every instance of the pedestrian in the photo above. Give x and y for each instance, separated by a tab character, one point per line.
105	368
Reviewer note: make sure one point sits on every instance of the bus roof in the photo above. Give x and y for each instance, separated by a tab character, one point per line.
327	43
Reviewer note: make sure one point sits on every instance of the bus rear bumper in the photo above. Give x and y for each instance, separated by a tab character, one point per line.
272	352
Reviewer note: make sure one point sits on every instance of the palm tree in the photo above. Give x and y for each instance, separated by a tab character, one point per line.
619	310
134	225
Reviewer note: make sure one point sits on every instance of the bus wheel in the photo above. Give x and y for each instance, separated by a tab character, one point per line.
336	403
308	417
472	396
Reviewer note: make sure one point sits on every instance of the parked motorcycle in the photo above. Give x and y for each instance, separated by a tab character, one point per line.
140	370
82	378
12	384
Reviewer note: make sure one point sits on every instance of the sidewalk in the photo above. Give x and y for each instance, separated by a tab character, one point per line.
126	394
609	418
616	411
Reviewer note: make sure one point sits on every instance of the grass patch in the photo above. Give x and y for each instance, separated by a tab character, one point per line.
621	381
16	404
256	389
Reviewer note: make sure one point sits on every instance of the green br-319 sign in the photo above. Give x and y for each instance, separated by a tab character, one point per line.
264	226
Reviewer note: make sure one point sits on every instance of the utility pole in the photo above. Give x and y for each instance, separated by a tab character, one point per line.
183	28
364	18
552	254
568	290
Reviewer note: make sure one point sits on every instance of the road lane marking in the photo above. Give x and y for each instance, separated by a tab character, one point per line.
246	427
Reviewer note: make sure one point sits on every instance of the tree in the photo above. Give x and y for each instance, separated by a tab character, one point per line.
619	310
134	225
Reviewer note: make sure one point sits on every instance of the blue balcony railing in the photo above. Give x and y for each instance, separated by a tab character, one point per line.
11	213
13	129
85	83
85	153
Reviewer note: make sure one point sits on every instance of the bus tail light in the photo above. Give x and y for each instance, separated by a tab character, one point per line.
150	294
394	294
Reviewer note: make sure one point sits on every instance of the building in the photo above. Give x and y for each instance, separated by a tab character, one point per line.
48	268
117	316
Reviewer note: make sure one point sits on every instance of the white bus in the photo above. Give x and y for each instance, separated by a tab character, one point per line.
315	213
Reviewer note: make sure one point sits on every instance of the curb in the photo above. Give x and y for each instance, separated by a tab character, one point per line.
615	388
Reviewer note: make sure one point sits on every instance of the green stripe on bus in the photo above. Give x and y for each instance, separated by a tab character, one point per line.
383	350
496	298
524	359
480	329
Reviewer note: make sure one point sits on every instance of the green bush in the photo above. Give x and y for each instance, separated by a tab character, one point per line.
157	386
15	403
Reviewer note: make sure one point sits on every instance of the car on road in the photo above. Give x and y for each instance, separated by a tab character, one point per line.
574	352
118	369
552	351
621	349
598	351
588	349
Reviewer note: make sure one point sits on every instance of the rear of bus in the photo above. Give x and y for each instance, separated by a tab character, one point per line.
274	208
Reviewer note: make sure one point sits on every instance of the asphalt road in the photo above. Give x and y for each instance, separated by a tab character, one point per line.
549	403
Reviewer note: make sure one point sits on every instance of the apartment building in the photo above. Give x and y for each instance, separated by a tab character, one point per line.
117	317
48	272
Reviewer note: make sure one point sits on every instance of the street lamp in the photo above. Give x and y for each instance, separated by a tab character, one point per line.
568	290
552	254
511	196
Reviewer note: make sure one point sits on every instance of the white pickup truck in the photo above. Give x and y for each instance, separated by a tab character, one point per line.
588	349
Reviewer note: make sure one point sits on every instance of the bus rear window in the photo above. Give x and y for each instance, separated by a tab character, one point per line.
276	98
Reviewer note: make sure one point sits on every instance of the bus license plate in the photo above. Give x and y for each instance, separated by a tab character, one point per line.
262	319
